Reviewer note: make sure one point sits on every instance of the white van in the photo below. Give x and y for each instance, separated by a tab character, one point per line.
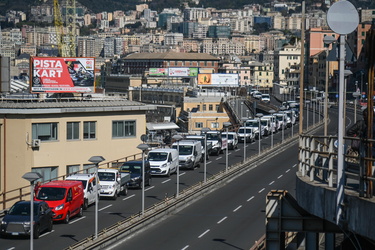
190	153
89	187
163	161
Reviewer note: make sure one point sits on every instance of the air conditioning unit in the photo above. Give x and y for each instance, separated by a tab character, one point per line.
35	143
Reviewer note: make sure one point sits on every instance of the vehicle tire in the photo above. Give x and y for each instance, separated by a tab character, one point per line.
80	214
115	196
202	158
148	182
50	226
36	232
125	191
85	204
169	173
67	218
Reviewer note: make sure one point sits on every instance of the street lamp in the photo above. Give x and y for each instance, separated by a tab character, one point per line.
355	95
204	130
259	115
178	138
307	114
226	126
273	125
143	147
32	177
96	160
245	136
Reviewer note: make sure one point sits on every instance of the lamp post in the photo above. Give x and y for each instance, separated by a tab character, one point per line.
178	138
355	95
226	126
32	177
143	147
96	160
204	130
259	115
273	125
245	137
314	104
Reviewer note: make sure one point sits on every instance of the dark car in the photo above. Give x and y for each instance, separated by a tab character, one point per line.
135	170
16	222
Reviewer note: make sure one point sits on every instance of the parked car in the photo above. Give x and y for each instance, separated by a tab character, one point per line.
16	221
134	168
89	187
163	161
190	153
232	138
65	198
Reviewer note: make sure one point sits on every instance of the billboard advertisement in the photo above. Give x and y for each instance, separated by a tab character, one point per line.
181	72
62	75
218	80
158	72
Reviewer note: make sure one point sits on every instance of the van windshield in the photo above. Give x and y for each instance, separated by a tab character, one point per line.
213	136
104	176
264	123
251	124
184	149
157	156
230	136
133	169
51	194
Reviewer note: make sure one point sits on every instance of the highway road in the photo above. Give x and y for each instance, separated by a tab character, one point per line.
231	216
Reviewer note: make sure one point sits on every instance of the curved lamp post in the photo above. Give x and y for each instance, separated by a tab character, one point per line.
96	160
143	147
32	177
178	138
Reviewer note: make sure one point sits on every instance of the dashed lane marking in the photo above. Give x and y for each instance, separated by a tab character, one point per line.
126	198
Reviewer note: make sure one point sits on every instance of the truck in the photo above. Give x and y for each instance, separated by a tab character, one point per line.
112	182
201	138
219	144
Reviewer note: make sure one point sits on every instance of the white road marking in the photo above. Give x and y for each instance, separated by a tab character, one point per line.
165	181
105	207
218	158
294	165
200	236
235	210
279	176
78	219
11	248
223	219
47	233
149	188
287	170
126	198
209	162
182	174
261	190
186	247
237	150
229	153
252	197
272	182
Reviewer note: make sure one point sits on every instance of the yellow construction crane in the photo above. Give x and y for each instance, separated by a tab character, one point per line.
66	38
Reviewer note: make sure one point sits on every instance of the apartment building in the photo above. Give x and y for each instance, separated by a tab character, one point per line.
58	138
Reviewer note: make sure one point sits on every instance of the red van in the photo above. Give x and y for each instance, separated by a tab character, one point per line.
65	198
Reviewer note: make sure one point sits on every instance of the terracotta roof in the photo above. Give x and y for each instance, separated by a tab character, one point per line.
171	56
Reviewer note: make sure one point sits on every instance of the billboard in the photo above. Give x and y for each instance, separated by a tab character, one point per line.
62	75
218	80
181	72
158	72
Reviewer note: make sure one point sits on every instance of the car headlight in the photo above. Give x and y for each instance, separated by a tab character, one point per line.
136	178
59	207
3	222
164	165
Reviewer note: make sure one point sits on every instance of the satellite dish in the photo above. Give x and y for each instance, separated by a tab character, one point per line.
143	137
342	17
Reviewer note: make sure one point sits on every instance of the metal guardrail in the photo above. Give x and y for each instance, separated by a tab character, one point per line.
129	225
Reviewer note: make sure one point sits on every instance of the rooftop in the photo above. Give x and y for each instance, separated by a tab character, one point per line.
171	56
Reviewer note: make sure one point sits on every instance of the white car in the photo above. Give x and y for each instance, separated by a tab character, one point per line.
257	95
265	98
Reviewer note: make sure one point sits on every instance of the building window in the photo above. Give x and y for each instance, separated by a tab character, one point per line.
199	125
44	131
89	168
71	169
214	125
204	107
47	173
210	107
72	131
122	129
89	130
217	106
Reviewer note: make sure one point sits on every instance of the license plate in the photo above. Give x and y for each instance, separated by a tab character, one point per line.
15	233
